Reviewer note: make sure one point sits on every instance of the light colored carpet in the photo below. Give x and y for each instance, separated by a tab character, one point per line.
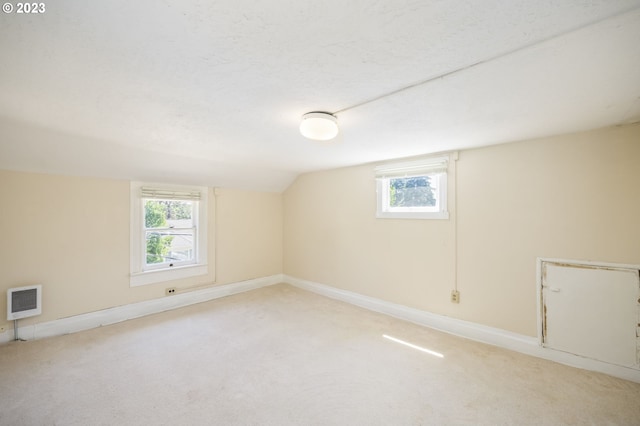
283	356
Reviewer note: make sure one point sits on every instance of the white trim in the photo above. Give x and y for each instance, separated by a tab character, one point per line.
589	263
160	275
478	332
539	303
135	310
412	215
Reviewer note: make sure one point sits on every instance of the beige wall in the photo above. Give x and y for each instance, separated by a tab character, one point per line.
249	234
573	197
71	235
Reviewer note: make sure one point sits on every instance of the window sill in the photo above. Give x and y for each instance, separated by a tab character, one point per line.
413	215
160	275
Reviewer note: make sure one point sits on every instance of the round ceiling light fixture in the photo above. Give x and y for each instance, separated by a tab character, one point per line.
319	126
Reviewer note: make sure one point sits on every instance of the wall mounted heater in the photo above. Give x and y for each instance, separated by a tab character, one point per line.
23	302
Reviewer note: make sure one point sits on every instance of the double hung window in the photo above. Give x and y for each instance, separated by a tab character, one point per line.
168	233
170	230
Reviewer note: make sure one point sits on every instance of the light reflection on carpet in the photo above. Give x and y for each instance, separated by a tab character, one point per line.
411	345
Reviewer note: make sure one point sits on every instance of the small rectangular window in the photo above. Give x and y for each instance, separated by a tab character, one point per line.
413	190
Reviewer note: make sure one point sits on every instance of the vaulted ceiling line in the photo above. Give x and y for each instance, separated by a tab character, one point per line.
485	61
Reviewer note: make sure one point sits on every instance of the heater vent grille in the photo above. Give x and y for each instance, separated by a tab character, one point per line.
24	302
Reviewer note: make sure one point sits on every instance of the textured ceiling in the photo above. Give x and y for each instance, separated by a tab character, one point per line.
211	92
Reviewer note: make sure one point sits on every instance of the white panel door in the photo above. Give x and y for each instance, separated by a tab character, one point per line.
591	311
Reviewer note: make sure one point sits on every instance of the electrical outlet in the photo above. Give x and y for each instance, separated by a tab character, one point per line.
170	291
455	296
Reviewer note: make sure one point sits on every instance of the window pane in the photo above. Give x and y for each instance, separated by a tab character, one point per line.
170	245
168	214
169	231
414	191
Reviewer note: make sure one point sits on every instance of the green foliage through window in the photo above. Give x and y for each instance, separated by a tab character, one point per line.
158	247
411	192
156	214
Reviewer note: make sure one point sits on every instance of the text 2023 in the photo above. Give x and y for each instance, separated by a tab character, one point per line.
30	8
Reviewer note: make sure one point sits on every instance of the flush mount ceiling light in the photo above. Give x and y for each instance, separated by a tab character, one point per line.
319	126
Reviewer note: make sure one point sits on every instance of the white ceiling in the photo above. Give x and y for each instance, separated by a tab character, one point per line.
211	92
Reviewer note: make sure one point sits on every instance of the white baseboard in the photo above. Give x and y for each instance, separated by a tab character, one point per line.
135	310
480	333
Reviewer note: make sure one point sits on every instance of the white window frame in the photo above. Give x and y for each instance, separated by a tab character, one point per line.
140	274
434	167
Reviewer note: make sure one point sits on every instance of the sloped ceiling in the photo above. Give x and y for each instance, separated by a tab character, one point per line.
211	92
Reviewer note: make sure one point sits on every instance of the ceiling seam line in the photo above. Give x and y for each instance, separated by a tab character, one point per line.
490	59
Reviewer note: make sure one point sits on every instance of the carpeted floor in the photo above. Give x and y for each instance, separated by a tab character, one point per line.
282	356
